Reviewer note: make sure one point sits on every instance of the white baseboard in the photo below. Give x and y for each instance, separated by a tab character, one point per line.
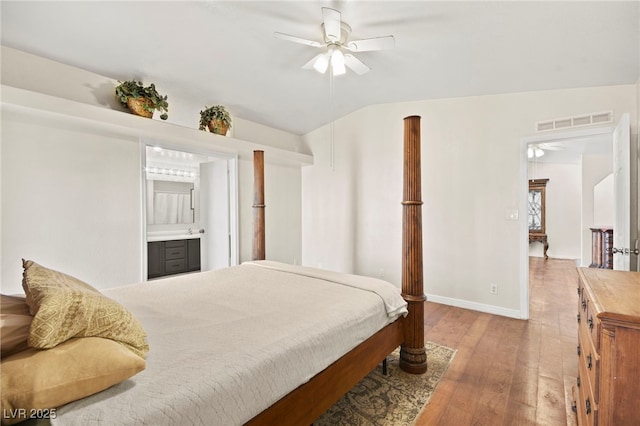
475	306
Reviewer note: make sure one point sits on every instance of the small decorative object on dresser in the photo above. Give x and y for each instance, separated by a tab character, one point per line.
608	380
216	118
142	100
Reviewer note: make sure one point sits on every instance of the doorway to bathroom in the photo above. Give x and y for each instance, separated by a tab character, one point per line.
191	211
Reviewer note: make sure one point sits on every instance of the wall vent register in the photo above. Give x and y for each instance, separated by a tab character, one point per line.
575	121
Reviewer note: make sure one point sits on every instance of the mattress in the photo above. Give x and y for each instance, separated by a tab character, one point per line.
227	344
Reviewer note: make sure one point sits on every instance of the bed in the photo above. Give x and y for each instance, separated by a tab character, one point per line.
265	342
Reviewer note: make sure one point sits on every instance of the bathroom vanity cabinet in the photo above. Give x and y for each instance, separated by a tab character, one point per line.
173	257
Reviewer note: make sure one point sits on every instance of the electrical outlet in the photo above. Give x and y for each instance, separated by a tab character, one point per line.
381	273
493	289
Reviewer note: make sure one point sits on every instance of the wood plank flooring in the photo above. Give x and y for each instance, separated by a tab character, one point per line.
509	371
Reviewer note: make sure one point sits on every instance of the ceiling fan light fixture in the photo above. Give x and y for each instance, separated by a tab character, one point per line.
337	62
321	64
335	34
534	152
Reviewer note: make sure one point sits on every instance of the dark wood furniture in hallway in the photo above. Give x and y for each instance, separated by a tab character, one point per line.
537	213
601	248
509	371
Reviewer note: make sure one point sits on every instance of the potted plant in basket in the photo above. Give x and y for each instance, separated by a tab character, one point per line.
141	100
216	118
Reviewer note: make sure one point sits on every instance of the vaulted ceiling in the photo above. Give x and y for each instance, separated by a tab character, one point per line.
224	52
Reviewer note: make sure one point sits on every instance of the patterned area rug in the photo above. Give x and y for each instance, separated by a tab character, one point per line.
394	399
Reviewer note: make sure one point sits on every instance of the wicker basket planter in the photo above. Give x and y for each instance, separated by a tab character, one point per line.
141	100
137	106
218	127
215	118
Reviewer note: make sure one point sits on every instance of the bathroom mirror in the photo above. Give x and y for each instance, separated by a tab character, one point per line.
173	202
172	179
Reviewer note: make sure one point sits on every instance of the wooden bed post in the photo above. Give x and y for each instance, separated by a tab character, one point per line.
258	206
413	355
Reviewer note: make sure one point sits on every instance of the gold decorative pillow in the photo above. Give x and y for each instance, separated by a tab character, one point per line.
37	381
15	321
65	307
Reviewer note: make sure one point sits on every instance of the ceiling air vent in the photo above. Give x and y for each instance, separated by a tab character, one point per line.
575	121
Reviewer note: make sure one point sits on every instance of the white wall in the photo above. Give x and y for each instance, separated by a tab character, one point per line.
603	202
635	173
594	169
563	209
282	212
71	199
470	175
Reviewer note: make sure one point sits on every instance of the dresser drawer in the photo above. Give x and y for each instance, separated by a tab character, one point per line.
588	317
171	253
589	359
586	408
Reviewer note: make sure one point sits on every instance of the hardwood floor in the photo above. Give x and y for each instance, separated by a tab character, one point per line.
508	371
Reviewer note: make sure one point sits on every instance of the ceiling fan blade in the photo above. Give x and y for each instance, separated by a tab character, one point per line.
553	146
356	64
367	44
287	37
332	19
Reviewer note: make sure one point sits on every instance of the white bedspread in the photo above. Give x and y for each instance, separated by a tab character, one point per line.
227	344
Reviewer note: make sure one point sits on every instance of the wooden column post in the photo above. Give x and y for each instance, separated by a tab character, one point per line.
258	206
413	355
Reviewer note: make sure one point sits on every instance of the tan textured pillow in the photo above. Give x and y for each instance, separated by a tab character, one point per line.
43	379
15	321
65	307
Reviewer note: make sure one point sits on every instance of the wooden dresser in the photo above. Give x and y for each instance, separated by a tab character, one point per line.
608	383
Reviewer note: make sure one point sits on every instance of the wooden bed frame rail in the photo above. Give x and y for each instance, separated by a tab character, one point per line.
312	399
309	401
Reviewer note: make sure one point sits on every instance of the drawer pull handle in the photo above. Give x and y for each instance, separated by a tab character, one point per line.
578	349
578	291
589	362
578	317
584	305
590	322
578	381
587	405
574	407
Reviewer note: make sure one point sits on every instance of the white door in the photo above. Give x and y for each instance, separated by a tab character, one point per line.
215	214
622	195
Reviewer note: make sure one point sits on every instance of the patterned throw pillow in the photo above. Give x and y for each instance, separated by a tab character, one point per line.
65	307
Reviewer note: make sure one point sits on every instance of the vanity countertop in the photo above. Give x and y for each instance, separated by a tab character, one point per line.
170	236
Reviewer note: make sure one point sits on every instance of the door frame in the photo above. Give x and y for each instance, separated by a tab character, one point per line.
234	221
565	136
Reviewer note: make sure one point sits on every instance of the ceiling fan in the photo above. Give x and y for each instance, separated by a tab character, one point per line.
537	150
336	45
